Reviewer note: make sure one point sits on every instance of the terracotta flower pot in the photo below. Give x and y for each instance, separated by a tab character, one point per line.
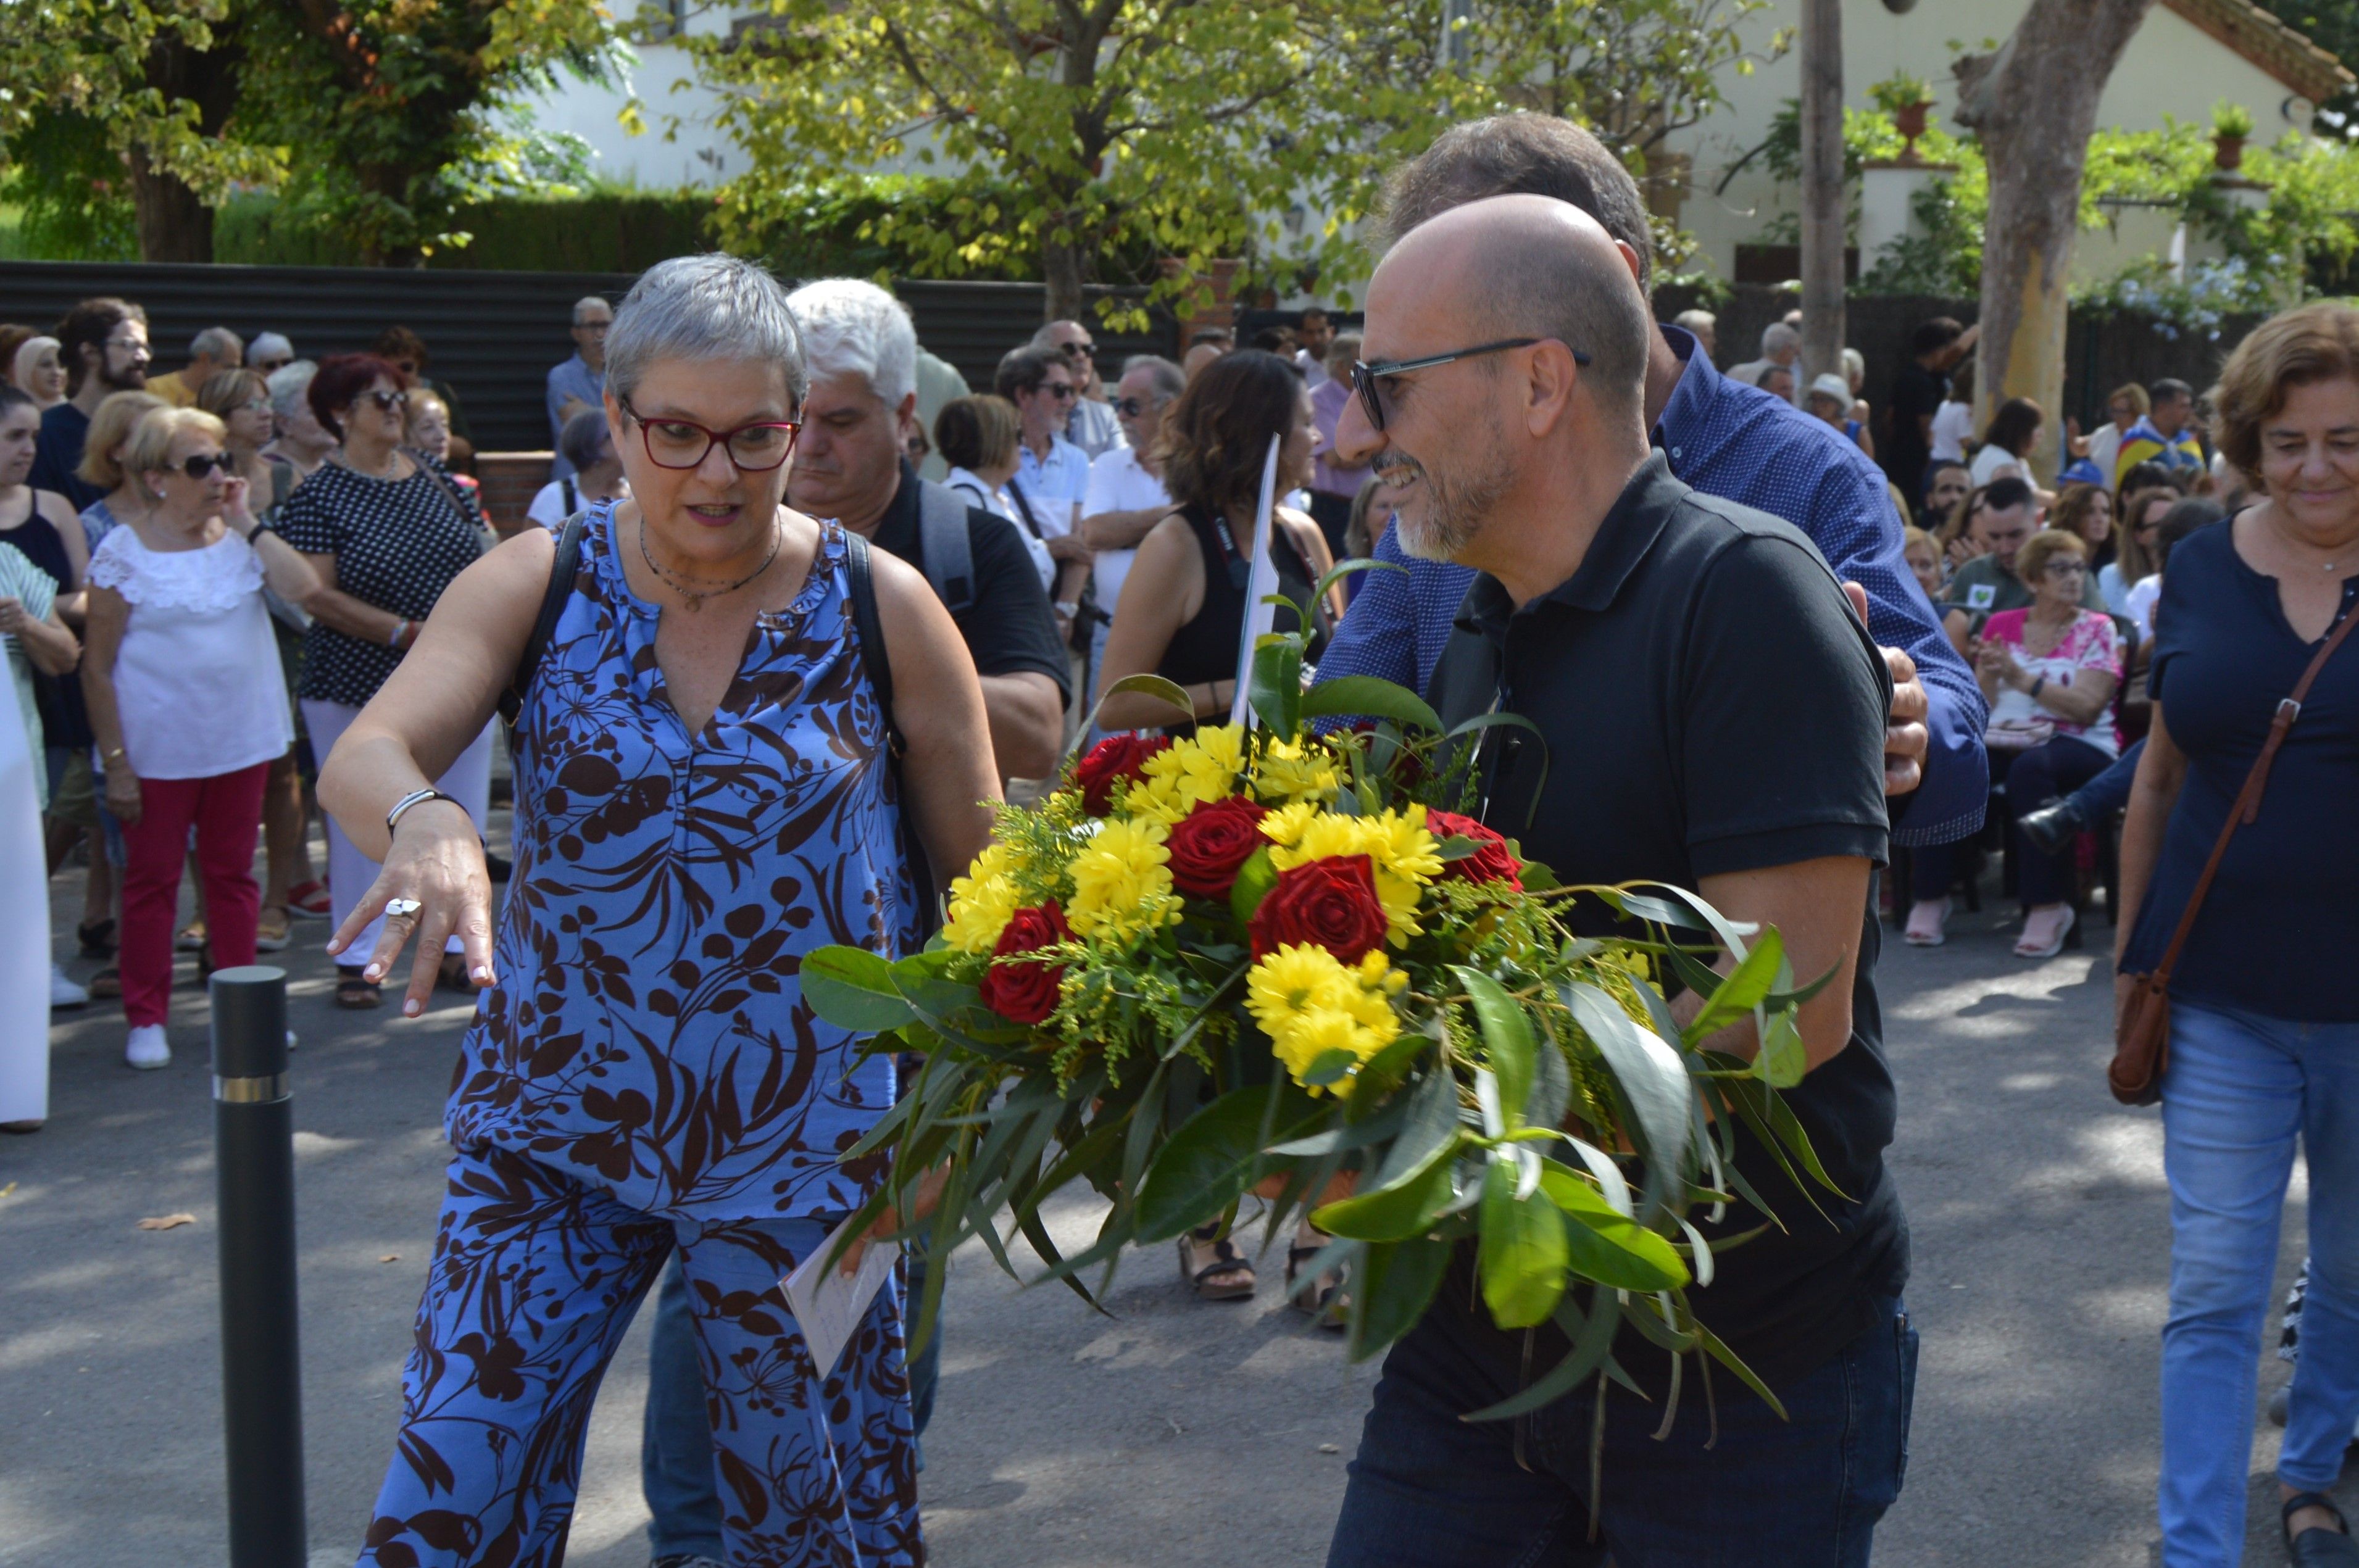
2228	152
1909	119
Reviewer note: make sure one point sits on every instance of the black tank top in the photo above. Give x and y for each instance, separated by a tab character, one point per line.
1205	649
64	722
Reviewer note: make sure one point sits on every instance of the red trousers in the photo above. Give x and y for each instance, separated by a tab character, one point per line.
226	812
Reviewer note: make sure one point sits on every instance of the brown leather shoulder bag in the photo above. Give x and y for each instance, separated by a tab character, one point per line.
2142	1032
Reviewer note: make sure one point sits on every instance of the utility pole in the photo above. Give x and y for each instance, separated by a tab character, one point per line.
1823	196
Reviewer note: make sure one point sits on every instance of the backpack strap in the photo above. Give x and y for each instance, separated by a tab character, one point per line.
562	574
945	546
869	628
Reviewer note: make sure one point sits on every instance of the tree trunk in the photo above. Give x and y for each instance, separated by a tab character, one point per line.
1061	269
2035	104
175	225
1822	189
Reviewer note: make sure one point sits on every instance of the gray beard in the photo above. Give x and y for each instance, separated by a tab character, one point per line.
1457	509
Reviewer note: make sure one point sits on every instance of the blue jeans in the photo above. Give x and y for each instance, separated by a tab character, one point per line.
2109	792
2240	1090
1429	1490
676	1438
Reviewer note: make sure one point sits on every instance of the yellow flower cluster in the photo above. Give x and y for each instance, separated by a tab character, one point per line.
1309	1003
1122	881
1290	773
1188	773
1403	854
983	902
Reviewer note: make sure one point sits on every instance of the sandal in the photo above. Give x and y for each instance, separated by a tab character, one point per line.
97	939
309	898
1925	920
1325	1299
356	993
2033	945
2318	1547
1226	1260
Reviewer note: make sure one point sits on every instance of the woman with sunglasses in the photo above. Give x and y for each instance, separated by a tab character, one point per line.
181	679
704	793
387	530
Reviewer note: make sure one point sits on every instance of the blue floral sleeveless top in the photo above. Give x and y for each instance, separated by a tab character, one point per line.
649	1034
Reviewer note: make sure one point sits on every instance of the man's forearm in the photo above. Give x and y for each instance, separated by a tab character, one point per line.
1027	724
1120	530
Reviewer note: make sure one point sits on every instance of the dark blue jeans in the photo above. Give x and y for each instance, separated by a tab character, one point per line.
2045	771
2109	792
1429	1490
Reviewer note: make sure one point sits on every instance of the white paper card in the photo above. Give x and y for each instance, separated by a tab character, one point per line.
827	1303
1260	584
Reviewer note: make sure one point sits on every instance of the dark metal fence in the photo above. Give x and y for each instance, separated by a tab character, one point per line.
493	335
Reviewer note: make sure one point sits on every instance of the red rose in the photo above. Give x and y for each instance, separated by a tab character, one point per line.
1211	843
1491	862
1019	988
1115	757
1329	903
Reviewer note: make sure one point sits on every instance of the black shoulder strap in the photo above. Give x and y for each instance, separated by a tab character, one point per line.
572	497
562	574
861	581
943	543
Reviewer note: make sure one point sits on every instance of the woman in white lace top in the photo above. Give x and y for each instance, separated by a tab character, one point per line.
182	674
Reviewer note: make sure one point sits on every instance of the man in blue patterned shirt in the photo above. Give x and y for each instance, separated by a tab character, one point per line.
1723	439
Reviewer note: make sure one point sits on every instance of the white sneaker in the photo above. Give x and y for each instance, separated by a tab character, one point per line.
147	1047
63	992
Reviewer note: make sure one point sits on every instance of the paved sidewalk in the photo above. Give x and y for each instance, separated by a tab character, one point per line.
1171	1434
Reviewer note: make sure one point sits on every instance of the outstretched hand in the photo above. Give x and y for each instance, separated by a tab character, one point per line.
437	862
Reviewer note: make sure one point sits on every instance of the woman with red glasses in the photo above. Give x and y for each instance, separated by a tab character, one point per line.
387	530
180	675
705	792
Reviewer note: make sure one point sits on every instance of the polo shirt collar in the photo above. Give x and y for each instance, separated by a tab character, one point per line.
1628	531
1682	423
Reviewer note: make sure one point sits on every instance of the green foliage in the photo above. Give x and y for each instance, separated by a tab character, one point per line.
1900	91
605	229
71	193
2231	119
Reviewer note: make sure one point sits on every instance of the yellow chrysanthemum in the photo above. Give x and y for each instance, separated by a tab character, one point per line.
1122	881
1403	855
1185	773
1310	1003
1292	773
981	903
1285	827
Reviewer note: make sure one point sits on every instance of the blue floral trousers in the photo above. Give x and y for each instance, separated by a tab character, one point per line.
534	1281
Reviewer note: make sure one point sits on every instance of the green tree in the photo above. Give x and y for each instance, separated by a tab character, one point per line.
377	116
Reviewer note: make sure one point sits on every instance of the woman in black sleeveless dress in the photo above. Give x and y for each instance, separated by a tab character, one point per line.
1182	614
1183	605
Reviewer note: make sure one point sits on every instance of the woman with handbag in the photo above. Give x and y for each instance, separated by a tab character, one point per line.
2239	864
387	530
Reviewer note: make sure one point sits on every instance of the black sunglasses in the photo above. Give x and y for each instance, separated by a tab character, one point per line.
1062	393
198	464
390	400
1130	407
1079	351
1364	376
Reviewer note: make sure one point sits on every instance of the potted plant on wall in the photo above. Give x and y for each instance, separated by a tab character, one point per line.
1907	99
2232	124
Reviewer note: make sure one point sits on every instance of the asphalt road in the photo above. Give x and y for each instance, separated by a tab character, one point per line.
1171	1434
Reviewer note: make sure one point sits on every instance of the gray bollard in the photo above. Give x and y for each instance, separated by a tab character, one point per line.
254	1154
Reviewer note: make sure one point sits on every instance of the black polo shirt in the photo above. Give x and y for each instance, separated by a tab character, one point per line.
1711	705
1009	628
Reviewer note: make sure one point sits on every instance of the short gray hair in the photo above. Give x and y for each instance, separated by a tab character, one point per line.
1777	335
709	306
1696	320
213	342
586	301
583	438
289	386
851	326
266	344
1167	379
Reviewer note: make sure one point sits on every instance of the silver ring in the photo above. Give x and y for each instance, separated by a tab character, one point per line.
402	908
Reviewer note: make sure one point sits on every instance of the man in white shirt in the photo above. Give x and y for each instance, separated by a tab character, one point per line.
1126	496
1315	337
1780	345
1052	474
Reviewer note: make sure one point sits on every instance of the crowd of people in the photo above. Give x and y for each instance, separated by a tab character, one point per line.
796	597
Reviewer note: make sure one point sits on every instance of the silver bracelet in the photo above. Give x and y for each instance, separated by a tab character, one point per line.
415	798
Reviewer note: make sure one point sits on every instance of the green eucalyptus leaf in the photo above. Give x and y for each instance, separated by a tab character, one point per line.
1367	696
1380	1073
1507	1039
1653	1078
1741	990
1591	1339
1329	1067
1432	1123
1274	689
1157	687
1254	878
1783	1059
1204	1167
1401	1208
1390	1290
1606	1246
1523	1251
852	989
1343	569
1552	1092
